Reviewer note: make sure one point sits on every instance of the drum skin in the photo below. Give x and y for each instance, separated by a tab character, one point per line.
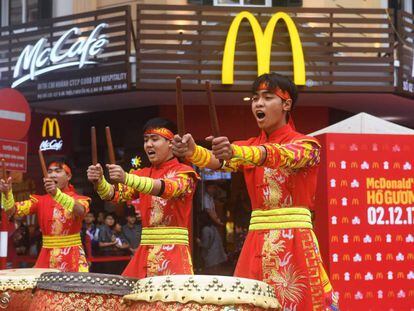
201	293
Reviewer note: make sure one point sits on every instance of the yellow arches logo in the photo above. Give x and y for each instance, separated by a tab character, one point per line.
263	41
51	125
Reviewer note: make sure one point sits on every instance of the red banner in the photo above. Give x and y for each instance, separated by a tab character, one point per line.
15	154
367	213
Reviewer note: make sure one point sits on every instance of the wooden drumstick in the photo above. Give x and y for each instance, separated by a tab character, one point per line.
111	151
180	107
94	147
43	164
4	173
3	170
212	109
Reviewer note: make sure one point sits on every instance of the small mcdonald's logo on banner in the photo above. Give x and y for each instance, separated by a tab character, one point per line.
400	275
389	257
411	293
335	276
410	256
334	239
379	276
344	183
355	201
369	295
396	165
391	294
332	164
347	295
345	220
368	257
356	239
354	164
375	165
399	238
333	201
358	276
346	257
378	238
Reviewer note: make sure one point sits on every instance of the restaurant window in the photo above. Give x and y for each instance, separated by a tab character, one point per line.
26	11
260	3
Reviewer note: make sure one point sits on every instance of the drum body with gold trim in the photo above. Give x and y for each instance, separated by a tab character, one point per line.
201	292
16	287
73	291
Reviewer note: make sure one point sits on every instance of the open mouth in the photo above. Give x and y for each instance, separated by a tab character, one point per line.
260	115
151	152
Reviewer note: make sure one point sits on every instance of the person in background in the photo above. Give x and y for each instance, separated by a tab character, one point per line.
122	244
212	250
100	219
132	231
90	230
209	205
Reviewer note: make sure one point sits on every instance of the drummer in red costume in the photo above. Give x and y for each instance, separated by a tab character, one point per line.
60	213
280	169
165	191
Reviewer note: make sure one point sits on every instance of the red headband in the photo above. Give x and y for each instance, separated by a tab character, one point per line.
277	91
162	131
63	166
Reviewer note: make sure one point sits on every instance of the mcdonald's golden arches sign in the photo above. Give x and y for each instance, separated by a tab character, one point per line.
263	41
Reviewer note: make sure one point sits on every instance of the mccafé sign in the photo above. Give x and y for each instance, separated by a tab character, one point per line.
52	139
263	41
40	59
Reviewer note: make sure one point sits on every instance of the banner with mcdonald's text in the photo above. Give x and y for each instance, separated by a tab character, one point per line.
364	219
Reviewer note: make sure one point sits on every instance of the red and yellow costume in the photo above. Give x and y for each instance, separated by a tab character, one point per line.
165	220
281	248
62	246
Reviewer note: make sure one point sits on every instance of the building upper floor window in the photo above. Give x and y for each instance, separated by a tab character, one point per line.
259	3
25	11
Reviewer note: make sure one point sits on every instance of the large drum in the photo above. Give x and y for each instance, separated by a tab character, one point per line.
201	292
16	286
81	291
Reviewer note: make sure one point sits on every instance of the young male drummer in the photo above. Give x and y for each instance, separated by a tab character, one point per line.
60	213
165	191
280	169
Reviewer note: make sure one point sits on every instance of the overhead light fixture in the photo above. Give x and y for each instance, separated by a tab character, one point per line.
246	99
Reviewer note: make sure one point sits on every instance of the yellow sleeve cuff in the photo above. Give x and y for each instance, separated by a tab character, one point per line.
104	189
7	200
139	183
65	200
201	157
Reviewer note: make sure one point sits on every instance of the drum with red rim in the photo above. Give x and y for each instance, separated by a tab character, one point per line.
16	287
73	291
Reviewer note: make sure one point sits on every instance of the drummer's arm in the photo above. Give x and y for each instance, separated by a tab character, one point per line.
19	209
167	188
297	154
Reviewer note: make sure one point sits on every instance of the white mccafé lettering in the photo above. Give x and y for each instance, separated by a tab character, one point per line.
39	59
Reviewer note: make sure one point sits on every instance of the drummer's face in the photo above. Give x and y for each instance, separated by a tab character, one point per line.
59	176
157	148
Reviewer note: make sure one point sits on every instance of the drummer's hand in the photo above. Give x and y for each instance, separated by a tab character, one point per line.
116	173
183	147
221	147
95	173
5	185
50	186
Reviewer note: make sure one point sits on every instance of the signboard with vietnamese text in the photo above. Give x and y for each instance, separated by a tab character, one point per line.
369	214
15	154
